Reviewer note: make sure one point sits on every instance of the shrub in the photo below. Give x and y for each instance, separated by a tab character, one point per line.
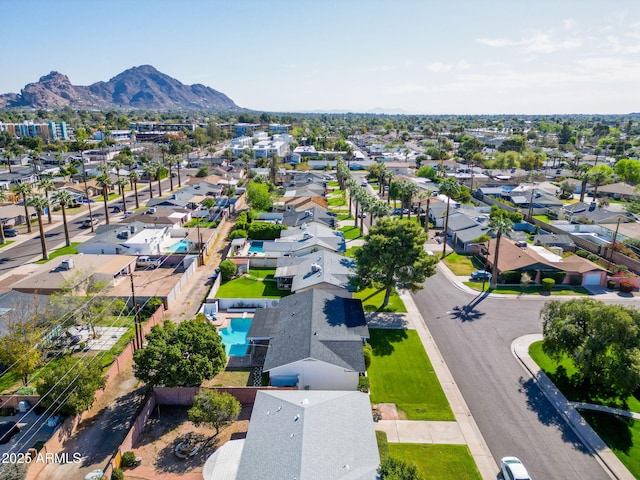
626	286
367	351
593	257
611	285
582	253
511	277
397	469
557	276
547	284
575	279
363	384
238	234
228	269
128	459
117	474
265	231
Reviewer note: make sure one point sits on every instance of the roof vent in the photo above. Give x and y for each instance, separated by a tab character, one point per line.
66	264
315	267
296	418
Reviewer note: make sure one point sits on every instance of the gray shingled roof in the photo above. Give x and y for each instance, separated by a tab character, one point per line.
317	324
319	435
329	268
316	214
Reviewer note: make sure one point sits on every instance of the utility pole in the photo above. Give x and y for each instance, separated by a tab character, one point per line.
613	243
86	190
137	344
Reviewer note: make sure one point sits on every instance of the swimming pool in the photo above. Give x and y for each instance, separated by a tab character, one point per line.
180	247
234	337
256	246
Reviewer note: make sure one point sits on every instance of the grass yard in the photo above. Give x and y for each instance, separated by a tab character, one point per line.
530	290
438	462
542	218
350	232
260	282
462	264
620	434
336	201
401	373
372	299
6	243
231	377
71	250
333	183
351	251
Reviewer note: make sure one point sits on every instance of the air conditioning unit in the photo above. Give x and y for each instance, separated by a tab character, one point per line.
66	264
151	210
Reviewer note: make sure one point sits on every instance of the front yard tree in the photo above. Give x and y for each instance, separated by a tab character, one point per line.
71	385
182	355
499	224
451	189
258	196
393	256
214	409
603	341
19	348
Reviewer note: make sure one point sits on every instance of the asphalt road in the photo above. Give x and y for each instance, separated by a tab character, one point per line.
474	336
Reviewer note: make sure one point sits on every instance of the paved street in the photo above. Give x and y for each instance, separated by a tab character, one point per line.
474	336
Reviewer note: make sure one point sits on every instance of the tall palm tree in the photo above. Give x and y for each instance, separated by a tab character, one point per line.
121	183
171	161
47	185
150	169
378	209
24	189
364	199
3	198
598	176
451	188
389	177
133	178
159	168
351	186
104	181
498	225
408	191
40	204
64	199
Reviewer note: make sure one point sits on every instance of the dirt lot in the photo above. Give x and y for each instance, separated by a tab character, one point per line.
164	430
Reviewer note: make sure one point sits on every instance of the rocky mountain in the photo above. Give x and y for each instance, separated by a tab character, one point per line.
142	87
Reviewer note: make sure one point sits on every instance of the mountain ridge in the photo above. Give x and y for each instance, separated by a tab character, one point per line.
139	87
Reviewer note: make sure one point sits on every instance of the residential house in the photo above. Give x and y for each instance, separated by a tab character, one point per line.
73	271
321	269
620	190
159	216
12	215
314	435
131	239
581	212
302	203
465	230
554	240
313	214
314	339
537	261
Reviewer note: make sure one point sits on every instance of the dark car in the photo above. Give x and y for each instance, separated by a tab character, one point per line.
481	275
8	430
10	232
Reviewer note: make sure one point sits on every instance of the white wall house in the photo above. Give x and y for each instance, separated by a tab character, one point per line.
314	374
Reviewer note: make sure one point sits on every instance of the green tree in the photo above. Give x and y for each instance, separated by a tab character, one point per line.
104	181
427	172
499	225
3	199
181	355
214	409
603	341
24	189
258	196
64	199
40	204
134	178
599	175
47	186
628	170
19	348
71	385
228	269
451	188
393	256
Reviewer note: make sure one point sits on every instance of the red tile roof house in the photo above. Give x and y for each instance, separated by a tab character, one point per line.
537	260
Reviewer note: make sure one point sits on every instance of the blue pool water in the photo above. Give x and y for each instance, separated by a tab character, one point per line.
179	247
234	337
256	247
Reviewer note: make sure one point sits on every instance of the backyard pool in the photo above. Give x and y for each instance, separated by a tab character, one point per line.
180	247
256	246
234	337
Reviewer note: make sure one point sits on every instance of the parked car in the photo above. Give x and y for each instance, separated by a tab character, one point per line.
8	430
513	469
362	215
127	213
145	261
364	184
481	275
10	232
87	223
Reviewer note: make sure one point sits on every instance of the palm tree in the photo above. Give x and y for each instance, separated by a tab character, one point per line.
378	209
133	178
423	195
498	225
351	186
150	169
47	185
24	189
104	181
394	192
383	174
3	198
364	199
408	191
121	183
40	204
598	176
390	176
64	199
171	161
159	169
451	188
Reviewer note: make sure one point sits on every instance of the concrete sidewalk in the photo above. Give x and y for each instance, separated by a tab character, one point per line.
611	464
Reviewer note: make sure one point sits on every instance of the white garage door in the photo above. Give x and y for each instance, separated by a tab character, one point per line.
592	279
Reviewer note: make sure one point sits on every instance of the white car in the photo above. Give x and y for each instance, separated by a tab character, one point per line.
513	469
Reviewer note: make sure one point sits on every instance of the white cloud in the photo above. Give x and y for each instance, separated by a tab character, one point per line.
438	67
568	24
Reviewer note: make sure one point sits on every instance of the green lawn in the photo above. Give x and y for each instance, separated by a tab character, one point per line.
438	462
372	299
350	232
336	201
351	251
401	373
542	218
258	283
71	250
6	243
333	183
530	290
620	434
462	264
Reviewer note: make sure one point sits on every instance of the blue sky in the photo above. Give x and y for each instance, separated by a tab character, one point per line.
398	56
